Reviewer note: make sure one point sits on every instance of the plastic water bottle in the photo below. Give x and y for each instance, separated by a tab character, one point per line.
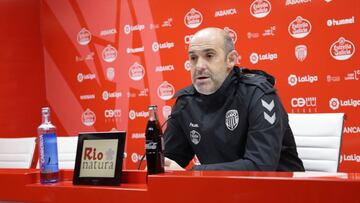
48	153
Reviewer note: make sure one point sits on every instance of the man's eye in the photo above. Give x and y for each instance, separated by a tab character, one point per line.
209	55
192	58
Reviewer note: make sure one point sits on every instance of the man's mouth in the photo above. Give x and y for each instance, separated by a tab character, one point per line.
202	77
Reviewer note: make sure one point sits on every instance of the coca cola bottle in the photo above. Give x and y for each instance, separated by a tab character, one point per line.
154	143
48	154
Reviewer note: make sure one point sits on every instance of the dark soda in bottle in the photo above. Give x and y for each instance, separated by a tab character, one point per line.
48	153
154	145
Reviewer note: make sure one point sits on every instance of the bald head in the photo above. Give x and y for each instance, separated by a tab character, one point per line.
212	57
215	35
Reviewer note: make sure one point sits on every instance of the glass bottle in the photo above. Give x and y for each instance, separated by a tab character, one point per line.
48	153
154	146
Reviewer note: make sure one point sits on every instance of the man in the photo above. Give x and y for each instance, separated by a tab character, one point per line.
228	119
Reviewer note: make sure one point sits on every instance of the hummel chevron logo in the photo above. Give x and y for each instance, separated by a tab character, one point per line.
270	119
268	106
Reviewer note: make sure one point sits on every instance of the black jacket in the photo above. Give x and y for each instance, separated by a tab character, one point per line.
242	126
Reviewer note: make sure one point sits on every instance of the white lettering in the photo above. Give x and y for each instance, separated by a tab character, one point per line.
352	130
293	2
87	97
227	12
135	50
164	68
108	32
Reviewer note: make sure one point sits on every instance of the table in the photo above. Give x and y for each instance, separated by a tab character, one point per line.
23	185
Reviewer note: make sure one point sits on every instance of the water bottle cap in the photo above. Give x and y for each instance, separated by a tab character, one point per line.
45	110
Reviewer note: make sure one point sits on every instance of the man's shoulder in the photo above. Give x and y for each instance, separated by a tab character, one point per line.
257	79
187	91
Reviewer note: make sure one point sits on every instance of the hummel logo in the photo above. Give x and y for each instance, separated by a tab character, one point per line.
268	106
270	119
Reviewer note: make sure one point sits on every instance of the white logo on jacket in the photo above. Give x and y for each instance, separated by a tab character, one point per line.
195	137
232	119
269	107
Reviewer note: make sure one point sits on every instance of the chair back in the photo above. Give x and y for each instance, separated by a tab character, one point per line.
318	139
67	151
16	152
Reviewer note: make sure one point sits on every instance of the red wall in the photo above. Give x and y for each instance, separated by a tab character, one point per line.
22	89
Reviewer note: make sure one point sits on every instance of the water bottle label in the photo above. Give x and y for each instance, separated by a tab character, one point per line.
48	153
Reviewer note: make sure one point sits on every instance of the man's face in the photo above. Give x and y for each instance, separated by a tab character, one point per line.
208	62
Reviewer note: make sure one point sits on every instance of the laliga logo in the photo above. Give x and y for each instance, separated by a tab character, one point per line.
299	28
187	65
132	114
127	29
88	117
136	71
231	33
84	37
301	52
254	58
260	8
130	28
292	80
109	54
135	157
193	18
166	91
342	49
334	103
155	46
80	77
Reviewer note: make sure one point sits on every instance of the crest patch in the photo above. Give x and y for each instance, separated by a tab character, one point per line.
232	119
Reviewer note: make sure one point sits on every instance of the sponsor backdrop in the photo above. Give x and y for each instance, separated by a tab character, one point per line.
106	61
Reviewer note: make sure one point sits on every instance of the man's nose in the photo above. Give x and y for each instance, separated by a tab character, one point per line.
200	64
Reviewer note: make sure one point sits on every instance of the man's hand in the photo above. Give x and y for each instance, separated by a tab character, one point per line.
171	165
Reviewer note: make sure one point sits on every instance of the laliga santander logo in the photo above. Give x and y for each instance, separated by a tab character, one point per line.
136	71
166	91
193	18
292	80
299	28
109	54
84	37
187	65
260	8
88	117
132	114
231	33
254	58
342	49
334	103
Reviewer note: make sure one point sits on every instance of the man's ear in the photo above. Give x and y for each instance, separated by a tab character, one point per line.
231	59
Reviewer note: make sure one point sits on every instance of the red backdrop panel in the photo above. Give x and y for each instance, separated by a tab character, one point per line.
105	62
22	87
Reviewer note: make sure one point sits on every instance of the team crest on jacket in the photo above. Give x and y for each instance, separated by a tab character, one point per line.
232	119
195	137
